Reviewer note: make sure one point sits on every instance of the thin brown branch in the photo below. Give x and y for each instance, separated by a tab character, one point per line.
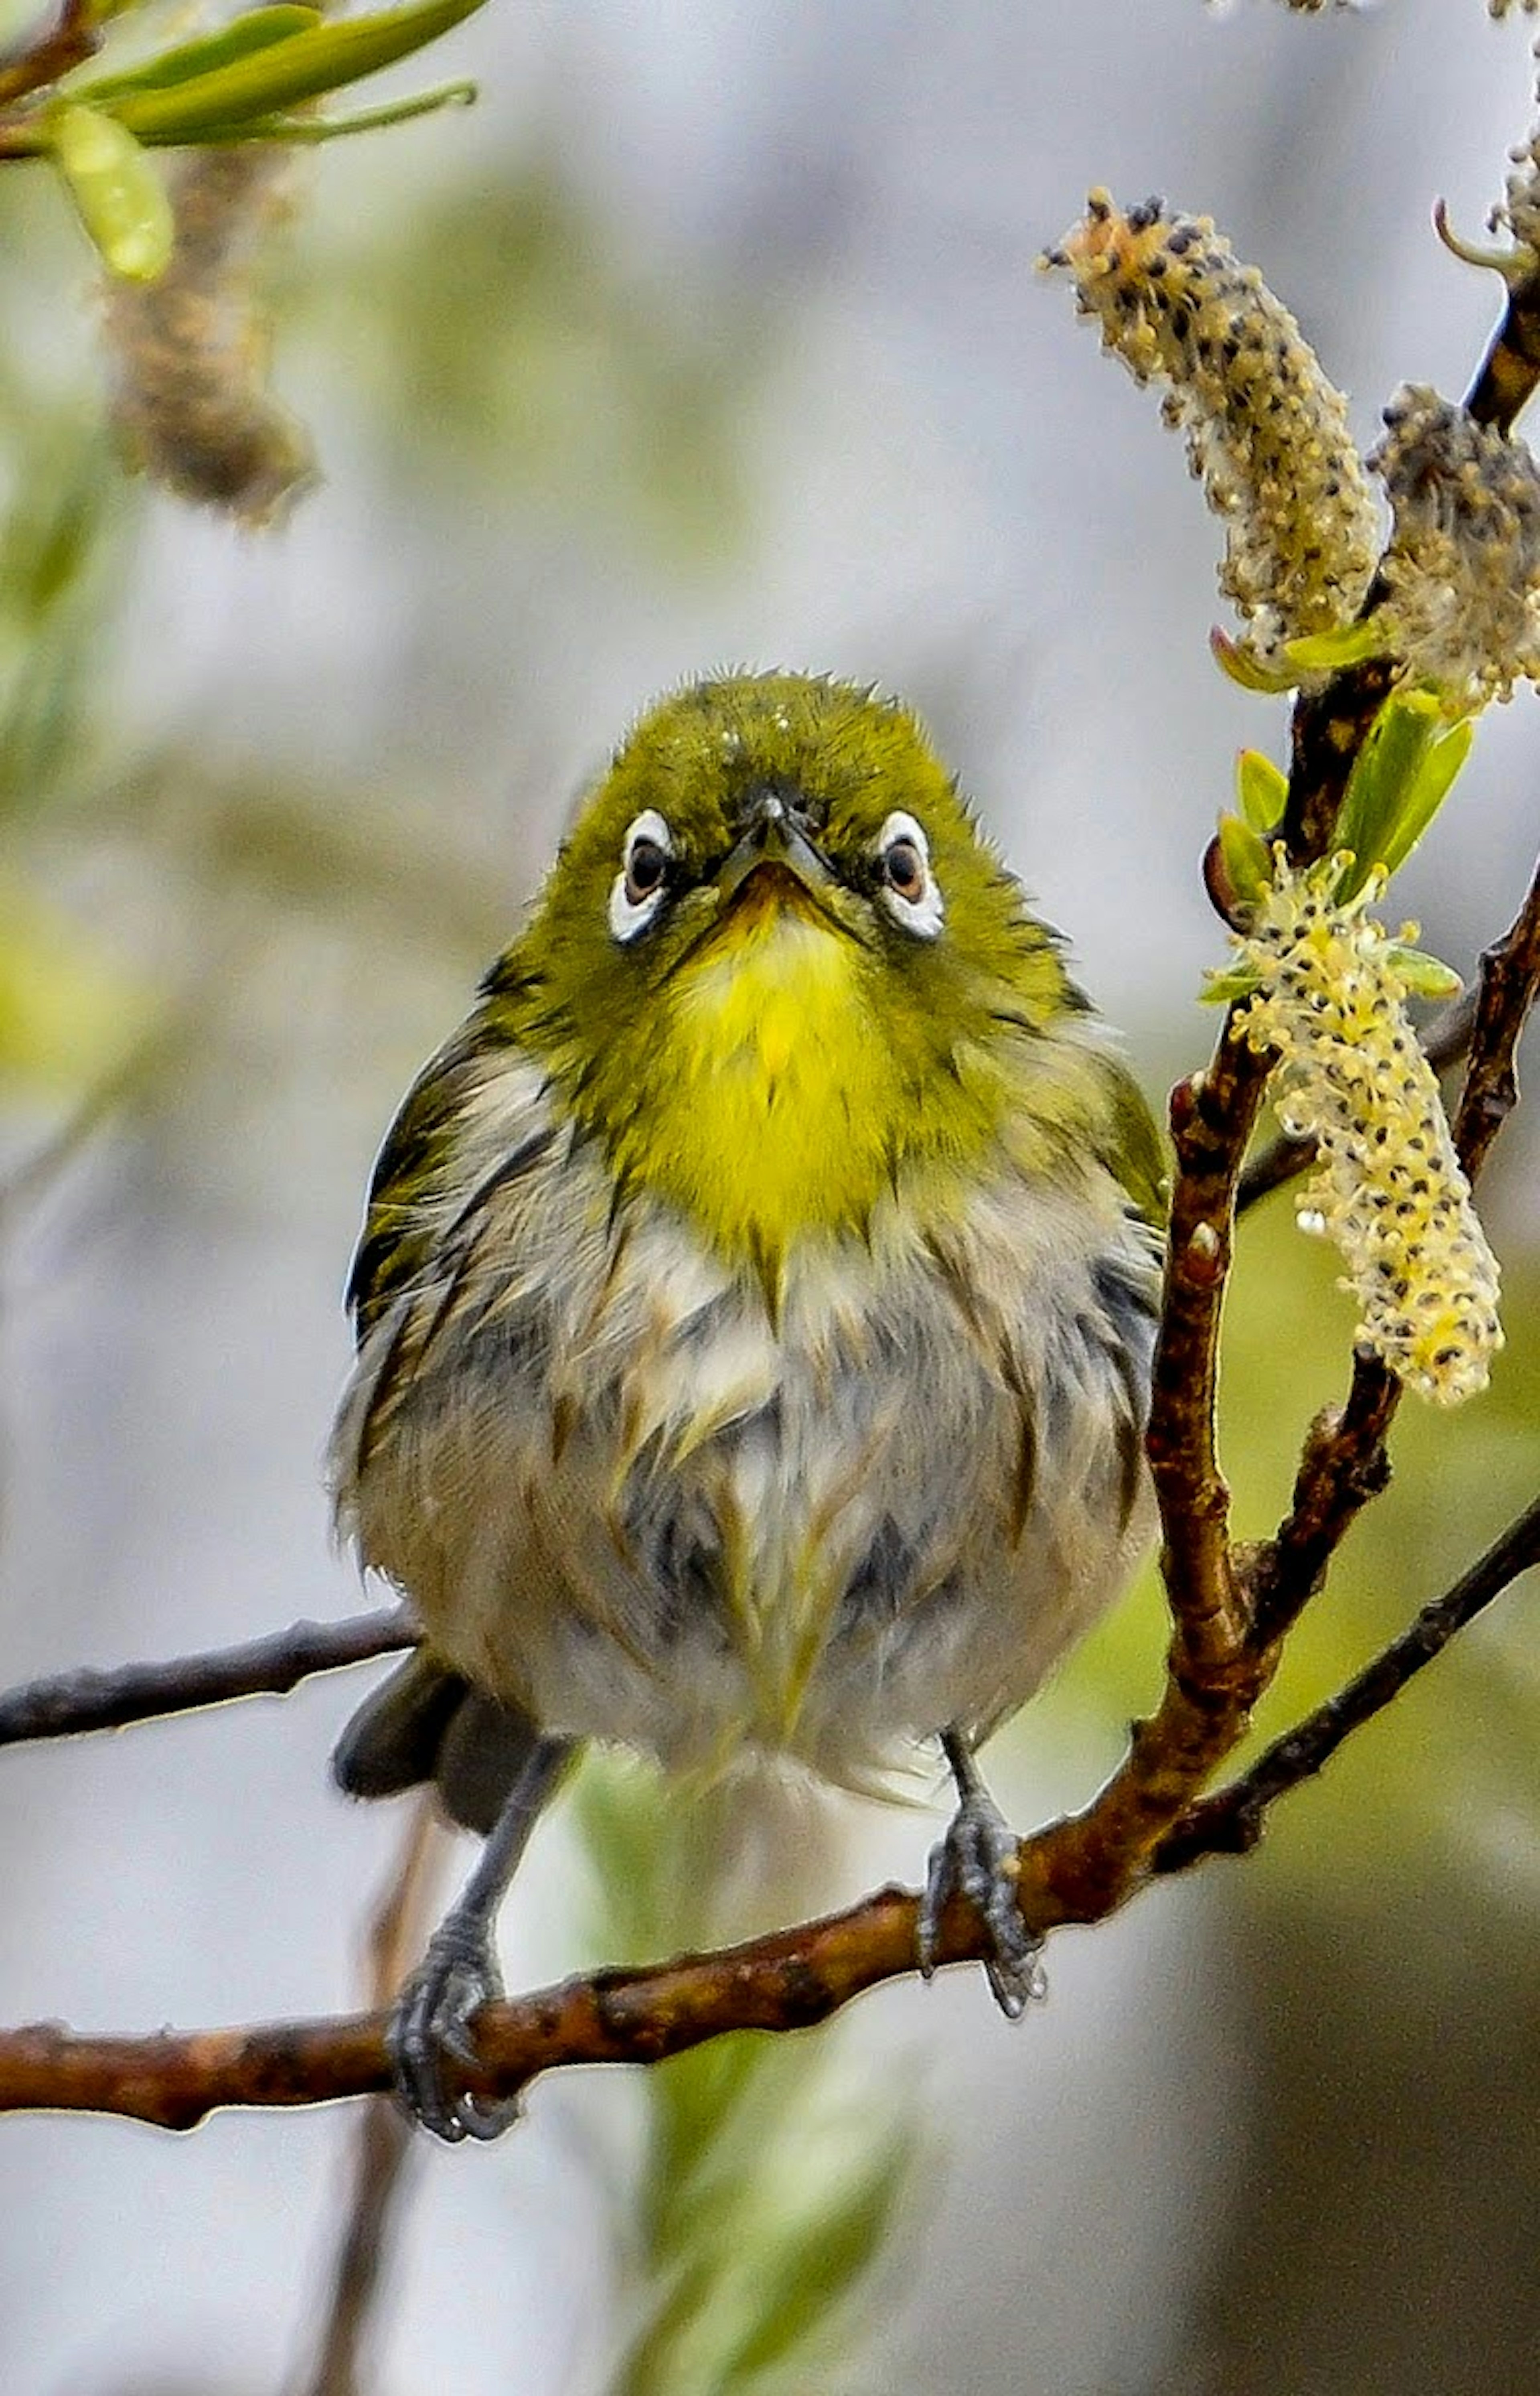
1511	979
69	1704
73	38
1231	1821
1073	1871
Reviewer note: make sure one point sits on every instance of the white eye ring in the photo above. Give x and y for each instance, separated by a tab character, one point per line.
914	899
638	889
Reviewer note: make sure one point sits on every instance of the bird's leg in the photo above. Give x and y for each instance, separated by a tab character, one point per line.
431	2027
977	1861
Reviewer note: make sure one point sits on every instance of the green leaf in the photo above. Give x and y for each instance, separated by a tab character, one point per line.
256	31
1248	865
304	67
1425	977
1330	652
1400	780
801	2271
1442	762
315	129
1234	659
1262	790
116	188
1222	985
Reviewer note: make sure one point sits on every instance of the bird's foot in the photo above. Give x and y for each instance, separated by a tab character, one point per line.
977	1861
430	2032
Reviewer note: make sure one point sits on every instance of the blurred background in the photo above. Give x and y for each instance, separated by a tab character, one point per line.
711	336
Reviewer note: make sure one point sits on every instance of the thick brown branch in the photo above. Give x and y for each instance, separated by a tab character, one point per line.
1211	1115
1231	1821
71	1703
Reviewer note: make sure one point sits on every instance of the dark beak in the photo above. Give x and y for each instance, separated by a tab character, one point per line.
774	837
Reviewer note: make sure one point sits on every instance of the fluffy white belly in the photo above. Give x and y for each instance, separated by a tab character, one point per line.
621	1495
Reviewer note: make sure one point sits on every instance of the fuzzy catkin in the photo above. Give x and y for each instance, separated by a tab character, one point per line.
191	401
1267	433
1390	1190
1462	572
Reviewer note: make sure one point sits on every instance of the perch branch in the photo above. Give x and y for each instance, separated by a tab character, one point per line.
72	1703
786	1981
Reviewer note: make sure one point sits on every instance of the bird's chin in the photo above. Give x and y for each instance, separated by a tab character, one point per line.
771	898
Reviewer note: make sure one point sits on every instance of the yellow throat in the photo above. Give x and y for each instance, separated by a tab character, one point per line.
773	1116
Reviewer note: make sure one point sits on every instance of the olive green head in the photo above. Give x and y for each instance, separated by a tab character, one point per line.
776	964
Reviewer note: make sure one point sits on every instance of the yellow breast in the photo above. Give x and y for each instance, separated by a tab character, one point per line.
773	1116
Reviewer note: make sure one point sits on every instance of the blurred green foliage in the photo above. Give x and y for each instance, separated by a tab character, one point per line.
69	1013
555	375
773	2169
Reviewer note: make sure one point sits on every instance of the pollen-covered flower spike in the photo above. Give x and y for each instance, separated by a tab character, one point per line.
1326	988
1463	569
1267	433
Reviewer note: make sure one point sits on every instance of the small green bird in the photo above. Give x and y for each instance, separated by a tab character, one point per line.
754	1310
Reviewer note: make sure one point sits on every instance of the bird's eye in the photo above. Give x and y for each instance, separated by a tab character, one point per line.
644	862
909	889
905	870
638	889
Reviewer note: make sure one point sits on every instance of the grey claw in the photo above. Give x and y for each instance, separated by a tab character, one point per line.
430	2028
977	1861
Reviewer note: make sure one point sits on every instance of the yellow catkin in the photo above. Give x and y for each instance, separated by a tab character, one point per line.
1463	569
1390	1190
1267	433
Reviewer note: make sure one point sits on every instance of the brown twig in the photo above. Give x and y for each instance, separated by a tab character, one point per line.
1510	374
1510	980
1232	1821
69	1704
382	2133
73	38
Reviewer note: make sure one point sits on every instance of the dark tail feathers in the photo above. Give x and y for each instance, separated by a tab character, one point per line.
425	1722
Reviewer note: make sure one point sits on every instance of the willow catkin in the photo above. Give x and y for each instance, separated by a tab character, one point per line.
190	400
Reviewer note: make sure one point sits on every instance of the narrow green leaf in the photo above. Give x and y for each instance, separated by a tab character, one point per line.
1330	652
1237	662
313	131
256	31
1248	866
304	67
1223	986
1425	977
801	2273
1431	785
1262	790
1384	772
117	192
